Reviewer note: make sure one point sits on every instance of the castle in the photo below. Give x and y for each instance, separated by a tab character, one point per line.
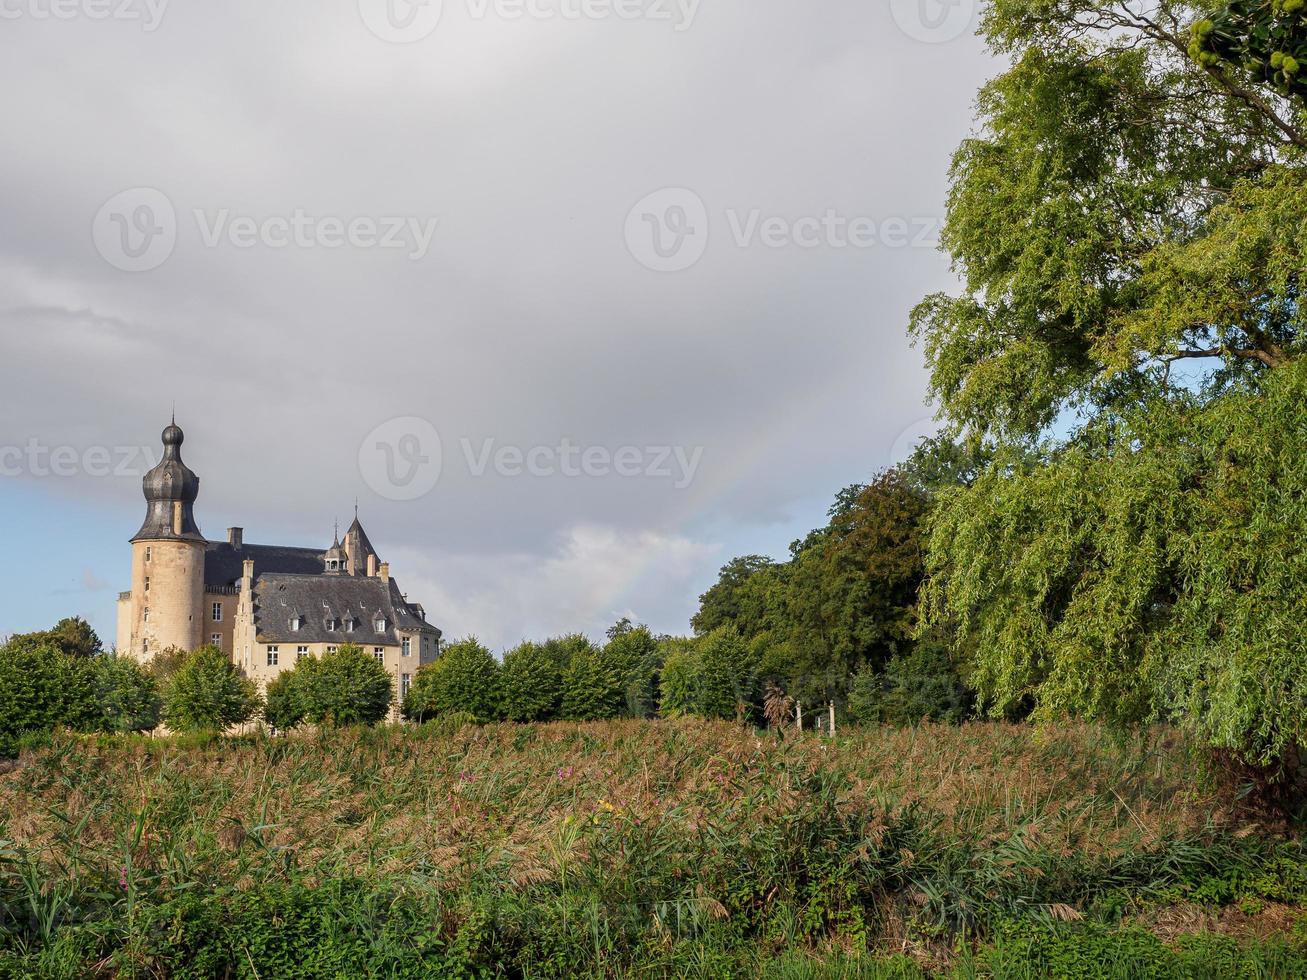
265	606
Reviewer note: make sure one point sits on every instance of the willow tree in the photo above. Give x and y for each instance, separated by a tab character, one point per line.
1129	224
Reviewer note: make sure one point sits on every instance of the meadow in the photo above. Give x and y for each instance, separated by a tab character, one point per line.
634	848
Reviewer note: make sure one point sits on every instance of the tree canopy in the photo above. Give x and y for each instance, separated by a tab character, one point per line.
1124	359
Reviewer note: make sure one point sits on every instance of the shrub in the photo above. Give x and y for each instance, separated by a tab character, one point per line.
344	687
283	701
592	687
711	676
208	694
127	694
634	653
464	678
532	683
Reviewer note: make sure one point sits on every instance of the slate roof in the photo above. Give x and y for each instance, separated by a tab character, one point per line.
224	564
317	598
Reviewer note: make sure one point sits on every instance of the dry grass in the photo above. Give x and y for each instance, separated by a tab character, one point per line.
402	800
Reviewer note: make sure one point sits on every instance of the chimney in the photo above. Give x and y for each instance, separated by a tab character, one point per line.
372	566
384	571
235	536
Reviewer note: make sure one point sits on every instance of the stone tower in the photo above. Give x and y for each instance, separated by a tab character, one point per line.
167	597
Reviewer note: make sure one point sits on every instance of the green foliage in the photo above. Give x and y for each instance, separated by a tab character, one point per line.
208	694
920	685
1124	362
711	676
1161	581
1256	41
531	683
848	594
71	636
635	654
126	693
466	677
343	687
284	705
592	686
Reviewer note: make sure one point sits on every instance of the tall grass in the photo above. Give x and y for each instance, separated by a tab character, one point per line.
606	849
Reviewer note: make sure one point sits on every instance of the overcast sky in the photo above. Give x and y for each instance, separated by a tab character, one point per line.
579	298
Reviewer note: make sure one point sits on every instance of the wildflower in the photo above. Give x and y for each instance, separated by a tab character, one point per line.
122	878
565	773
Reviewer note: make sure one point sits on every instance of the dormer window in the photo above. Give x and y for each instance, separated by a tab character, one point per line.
349	626
295	624
331	625
380	624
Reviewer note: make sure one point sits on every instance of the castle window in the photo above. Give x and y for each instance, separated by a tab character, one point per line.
380	624
404	680
215	639
217	612
295	623
147	552
145	615
379	653
408	647
349	626
147	583
331	649
301	653
331	625
272	656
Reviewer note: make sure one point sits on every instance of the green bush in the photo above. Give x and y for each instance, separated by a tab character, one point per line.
532	683
464	678
126	693
208	694
592	687
711	676
343	687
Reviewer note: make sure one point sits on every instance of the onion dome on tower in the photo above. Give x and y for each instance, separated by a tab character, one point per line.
170	490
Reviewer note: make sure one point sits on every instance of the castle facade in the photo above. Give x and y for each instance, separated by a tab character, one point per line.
265	606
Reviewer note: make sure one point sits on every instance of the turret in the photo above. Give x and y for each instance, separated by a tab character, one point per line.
167	598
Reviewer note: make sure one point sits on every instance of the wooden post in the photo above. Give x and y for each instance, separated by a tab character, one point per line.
798	714
832	719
